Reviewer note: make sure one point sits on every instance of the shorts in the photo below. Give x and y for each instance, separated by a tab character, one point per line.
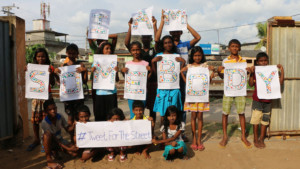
178	146
261	112
38	111
240	103
196	107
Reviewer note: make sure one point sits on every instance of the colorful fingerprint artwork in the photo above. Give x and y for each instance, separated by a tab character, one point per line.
197	85
135	82
168	72
175	20
70	83
267	82
142	22
105	74
99	24
37	81
235	79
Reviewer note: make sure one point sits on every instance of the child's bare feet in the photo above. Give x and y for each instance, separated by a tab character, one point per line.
256	143
247	144
262	144
146	154
52	165
223	143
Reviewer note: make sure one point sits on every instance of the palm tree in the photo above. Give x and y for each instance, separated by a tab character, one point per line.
262	34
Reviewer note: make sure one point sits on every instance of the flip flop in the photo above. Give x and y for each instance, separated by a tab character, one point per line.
110	158
123	158
201	147
194	147
32	146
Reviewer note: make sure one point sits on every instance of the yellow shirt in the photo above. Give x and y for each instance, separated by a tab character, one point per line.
144	118
232	60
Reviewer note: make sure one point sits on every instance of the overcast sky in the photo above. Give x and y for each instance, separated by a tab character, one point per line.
72	16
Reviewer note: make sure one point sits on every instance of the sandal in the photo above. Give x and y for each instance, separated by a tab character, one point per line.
123	158
201	147
110	157
57	166
32	146
194	147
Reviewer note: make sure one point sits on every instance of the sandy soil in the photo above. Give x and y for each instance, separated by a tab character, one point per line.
278	154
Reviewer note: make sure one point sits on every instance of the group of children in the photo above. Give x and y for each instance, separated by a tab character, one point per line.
168	102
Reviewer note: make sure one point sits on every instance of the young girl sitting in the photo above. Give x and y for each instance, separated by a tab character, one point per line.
41	57
196	59
105	100
172	136
116	114
135	50
166	97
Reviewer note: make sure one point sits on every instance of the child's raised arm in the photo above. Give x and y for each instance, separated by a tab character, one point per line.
281	77
184	69
195	34
128	35
159	31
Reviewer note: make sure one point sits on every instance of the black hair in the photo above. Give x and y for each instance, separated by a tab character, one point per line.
135	43
193	51
116	111
101	47
261	55
72	46
138	103
82	108
161	44
48	103
234	41
172	109
38	50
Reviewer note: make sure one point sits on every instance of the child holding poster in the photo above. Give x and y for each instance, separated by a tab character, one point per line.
116	114
70	106
234	47
147	54
166	97
135	50
105	100
172	135
261	108
196	59
138	110
38	114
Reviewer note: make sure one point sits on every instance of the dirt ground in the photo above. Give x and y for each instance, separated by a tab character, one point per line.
279	153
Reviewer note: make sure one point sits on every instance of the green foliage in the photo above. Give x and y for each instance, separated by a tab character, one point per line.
30	50
262	34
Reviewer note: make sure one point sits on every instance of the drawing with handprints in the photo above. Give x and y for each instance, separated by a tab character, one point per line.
104	75
142	23
99	24
175	20
235	79
37	81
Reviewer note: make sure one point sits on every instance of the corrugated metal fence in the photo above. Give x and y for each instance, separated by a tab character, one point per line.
284	49
6	85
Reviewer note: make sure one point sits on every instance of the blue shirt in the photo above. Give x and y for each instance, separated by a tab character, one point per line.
183	49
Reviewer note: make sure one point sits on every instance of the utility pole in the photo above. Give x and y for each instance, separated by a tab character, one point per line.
7	9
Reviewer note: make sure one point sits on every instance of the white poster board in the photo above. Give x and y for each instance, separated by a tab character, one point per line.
267	82
135	86
197	85
175	20
104	76
235	79
37	81
142	22
113	134
70	83
168	70
99	24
